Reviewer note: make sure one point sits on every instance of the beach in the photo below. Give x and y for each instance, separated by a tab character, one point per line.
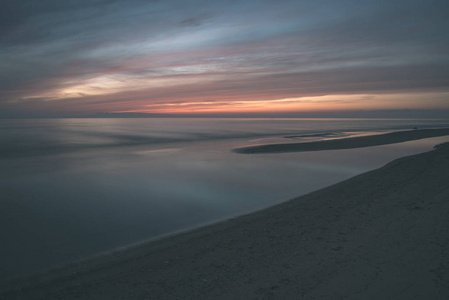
224	150
379	235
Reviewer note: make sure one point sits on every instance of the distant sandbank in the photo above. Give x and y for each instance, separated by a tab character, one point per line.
347	143
380	235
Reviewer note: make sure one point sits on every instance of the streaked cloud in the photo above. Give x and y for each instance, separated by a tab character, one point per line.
91	56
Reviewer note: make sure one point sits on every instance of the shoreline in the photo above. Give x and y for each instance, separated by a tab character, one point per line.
346	143
376	235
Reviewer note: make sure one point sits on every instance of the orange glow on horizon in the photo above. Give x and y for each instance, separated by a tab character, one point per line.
303	104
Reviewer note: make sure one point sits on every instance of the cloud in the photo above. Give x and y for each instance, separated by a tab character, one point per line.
123	52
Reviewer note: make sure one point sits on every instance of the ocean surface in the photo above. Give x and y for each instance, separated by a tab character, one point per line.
74	188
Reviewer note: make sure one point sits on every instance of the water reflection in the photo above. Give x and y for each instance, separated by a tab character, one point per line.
62	205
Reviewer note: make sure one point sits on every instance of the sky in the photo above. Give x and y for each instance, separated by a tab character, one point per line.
217	58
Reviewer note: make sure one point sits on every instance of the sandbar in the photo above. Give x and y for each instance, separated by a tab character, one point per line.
347	143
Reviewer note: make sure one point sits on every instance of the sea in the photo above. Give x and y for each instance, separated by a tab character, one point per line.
72	189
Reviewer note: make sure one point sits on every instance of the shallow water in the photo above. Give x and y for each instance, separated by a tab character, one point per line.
73	188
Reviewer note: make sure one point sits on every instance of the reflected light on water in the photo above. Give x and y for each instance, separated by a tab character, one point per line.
75	188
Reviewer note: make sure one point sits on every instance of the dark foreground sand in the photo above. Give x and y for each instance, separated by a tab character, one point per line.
380	235
347	143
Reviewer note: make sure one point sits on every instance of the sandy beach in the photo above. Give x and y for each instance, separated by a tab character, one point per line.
224	150
380	235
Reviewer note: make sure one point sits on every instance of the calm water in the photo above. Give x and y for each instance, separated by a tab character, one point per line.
73	188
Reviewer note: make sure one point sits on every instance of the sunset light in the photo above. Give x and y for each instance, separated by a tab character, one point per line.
303	104
214	57
210	149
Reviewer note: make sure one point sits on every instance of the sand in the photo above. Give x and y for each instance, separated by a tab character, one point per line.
346	143
380	235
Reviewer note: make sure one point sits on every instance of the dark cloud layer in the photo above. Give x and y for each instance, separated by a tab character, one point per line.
87	56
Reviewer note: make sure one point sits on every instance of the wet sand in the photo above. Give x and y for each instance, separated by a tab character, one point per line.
380	235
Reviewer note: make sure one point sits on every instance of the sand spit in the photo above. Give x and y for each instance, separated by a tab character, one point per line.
380	235
347	143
